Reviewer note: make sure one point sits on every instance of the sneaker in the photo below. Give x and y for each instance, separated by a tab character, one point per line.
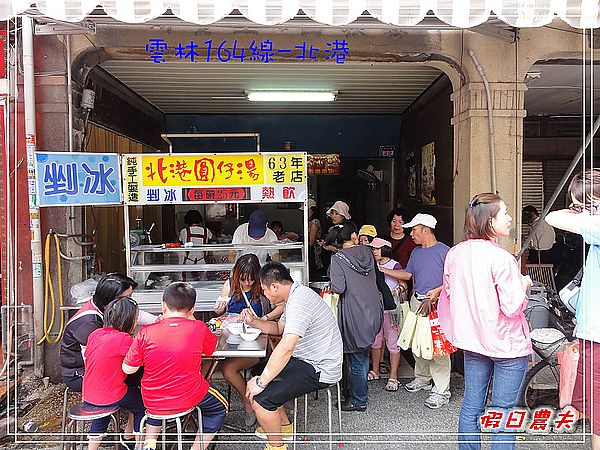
436	401
417	385
287	432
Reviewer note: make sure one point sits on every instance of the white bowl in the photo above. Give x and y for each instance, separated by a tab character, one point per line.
251	334
235	328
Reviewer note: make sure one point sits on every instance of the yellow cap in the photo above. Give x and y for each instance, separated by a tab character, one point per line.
368	230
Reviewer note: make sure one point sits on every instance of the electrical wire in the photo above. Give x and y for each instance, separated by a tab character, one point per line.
49	288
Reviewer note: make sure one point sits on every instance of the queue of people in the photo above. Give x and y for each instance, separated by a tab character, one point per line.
476	287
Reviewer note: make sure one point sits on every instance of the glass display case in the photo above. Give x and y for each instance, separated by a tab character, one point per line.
275	180
155	266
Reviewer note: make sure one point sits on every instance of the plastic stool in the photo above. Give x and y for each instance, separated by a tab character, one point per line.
177	418
329	410
84	412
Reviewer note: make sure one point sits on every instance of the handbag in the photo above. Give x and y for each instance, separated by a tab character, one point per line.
569	295
441	345
407	333
568	359
332	300
422	342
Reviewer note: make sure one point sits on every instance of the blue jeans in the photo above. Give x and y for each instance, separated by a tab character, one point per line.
131	401
508	376
359	369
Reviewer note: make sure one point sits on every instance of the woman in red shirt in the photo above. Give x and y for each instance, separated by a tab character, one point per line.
402	243
104	380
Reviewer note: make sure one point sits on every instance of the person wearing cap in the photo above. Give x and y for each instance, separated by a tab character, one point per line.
338	213
426	268
366	234
382	251
254	232
402	244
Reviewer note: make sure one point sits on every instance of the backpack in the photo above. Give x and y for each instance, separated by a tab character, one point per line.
388	299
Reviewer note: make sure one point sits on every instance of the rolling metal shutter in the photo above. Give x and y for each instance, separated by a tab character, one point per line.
533	184
533	189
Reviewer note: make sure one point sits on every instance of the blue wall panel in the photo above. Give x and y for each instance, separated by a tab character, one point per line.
351	135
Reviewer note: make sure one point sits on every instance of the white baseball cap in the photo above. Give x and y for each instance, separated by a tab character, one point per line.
422	219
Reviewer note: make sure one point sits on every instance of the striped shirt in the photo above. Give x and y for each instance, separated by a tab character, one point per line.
320	344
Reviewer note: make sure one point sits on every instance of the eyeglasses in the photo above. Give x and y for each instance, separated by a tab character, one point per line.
580	207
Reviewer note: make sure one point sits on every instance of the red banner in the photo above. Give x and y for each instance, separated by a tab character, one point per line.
216	194
324	164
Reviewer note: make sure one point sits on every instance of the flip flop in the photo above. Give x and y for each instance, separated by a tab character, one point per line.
392	385
372	376
384	368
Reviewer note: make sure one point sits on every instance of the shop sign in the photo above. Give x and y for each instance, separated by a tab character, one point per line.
324	164
208	178
66	178
387	151
265	51
428	174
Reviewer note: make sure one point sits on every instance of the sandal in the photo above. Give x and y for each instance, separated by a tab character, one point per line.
384	368
372	376
392	385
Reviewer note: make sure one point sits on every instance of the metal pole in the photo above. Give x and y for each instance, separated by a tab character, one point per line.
34	210
563	182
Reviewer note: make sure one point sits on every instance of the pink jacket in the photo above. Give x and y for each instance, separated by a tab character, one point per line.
482	301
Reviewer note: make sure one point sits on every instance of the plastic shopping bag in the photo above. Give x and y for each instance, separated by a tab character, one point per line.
408	331
568	359
332	301
422	342
441	345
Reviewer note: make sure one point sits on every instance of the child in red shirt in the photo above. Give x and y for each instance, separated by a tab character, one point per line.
171	352
104	380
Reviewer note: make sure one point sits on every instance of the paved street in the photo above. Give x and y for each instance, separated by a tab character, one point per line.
393	421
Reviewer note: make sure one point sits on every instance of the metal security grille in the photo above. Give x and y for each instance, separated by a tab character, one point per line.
533	189
533	184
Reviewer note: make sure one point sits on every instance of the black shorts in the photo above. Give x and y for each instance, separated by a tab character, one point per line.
297	378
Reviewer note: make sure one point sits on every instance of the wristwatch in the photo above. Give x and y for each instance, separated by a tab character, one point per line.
259	383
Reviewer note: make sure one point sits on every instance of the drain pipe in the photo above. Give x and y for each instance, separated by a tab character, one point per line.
486	85
70	227
34	209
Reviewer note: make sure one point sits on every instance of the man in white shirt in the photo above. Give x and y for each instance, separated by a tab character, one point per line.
254	232
542	235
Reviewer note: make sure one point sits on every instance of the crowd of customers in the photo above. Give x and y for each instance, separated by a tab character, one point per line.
476	288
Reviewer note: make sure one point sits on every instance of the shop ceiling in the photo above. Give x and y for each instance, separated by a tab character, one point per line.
366	88
180	87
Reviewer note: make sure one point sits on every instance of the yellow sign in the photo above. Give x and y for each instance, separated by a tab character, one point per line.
285	168
132	184
202	170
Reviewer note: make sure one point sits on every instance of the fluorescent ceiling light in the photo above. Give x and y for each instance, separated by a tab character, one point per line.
291	96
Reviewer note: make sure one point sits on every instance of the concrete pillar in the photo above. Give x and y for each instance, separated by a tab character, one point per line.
472	149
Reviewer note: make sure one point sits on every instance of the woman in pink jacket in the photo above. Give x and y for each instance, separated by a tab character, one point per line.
481	311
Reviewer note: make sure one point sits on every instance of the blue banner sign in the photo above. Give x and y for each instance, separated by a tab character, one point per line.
65	178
